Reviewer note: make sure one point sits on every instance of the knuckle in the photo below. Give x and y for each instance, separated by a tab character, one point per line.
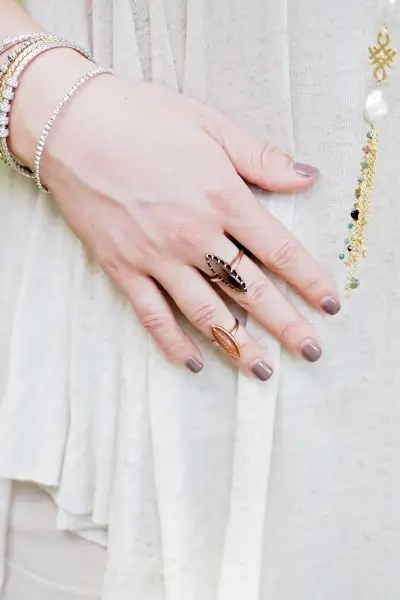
284	256
214	123
263	157
167	336
290	330
256	292
174	348
271	155
312	286
155	323
118	260
184	234
224	198
204	315
113	265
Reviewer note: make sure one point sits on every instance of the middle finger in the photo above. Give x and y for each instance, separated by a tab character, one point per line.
276	247
205	309
265	302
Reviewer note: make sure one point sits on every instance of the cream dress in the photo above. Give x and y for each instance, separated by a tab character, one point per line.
208	487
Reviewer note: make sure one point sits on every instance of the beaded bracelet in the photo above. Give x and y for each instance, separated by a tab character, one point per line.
11	81
57	111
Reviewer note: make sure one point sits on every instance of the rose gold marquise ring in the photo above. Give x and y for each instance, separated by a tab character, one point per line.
225	339
226	273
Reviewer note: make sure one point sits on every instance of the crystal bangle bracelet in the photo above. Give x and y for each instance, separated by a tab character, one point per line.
8	43
11	81
57	111
15	53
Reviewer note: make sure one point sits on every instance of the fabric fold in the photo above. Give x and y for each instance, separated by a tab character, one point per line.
101	21
5	502
168	471
135	564
259	54
35	403
125	43
162	62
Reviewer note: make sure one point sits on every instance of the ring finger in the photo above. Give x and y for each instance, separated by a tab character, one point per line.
207	312
265	302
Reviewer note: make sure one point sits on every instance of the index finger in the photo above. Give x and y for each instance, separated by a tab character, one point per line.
276	247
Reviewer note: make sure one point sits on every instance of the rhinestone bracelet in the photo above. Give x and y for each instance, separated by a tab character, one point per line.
5	106
57	111
11	81
8	43
15	53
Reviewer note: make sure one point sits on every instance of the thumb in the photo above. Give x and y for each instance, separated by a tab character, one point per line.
257	162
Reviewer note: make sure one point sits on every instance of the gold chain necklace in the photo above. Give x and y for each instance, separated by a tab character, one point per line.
382	58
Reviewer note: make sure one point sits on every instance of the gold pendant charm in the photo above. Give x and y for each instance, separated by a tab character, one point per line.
382	55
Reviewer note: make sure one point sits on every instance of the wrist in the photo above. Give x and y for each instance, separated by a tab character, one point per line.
42	85
14	21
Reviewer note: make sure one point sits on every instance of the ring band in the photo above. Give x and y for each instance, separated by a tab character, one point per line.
232	265
237	259
226	339
226	272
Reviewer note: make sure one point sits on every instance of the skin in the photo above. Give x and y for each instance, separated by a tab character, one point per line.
156	181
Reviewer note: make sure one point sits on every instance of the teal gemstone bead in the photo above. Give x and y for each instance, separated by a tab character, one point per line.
350	226
364	164
369	135
341	256
347	241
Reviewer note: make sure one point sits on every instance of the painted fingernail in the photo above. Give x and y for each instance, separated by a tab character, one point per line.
331	305
194	365
304	170
262	370
311	350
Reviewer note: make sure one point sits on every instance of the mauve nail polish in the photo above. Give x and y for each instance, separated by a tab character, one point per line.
330	305
304	170
311	350
262	370
194	365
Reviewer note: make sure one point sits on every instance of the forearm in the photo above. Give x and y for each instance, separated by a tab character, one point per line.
42	84
14	20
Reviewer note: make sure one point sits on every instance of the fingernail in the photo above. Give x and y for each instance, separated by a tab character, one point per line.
304	170
262	370
331	305
194	365
311	350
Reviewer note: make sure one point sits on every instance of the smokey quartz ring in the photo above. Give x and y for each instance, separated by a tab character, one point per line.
226	272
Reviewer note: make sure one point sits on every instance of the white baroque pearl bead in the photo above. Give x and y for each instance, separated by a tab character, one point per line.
376	107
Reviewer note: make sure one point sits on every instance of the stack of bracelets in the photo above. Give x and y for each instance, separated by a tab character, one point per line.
29	47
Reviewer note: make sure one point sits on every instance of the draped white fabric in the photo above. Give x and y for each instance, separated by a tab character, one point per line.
216	487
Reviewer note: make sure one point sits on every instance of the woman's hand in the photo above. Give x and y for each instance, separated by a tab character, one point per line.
151	182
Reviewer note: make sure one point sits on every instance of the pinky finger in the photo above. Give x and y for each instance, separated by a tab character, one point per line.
159	320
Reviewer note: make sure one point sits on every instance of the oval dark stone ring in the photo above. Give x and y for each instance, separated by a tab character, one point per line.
226	272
